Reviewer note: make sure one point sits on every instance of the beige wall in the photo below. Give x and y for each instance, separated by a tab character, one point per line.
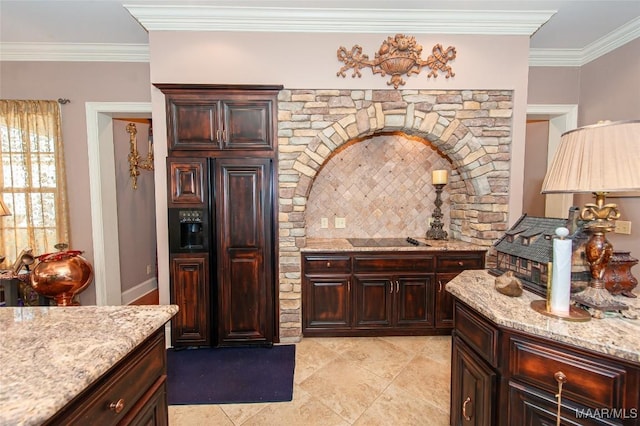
610	90
80	82
607	88
535	167
136	209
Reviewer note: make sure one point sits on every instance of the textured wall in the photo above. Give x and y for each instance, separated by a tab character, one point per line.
381	186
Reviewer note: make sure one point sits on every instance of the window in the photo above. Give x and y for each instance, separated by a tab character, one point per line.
32	182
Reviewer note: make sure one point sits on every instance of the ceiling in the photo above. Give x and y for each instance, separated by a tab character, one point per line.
563	32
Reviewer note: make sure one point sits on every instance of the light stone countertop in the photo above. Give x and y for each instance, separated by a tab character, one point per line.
612	335
342	244
51	354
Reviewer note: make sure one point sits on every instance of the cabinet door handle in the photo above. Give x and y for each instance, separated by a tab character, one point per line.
349	286
117	407
464	409
218	135
561	378
397	286
225	135
391	283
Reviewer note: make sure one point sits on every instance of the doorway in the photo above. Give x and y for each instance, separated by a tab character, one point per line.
102	188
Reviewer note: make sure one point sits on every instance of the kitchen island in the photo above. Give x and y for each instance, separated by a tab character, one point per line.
510	362
63	364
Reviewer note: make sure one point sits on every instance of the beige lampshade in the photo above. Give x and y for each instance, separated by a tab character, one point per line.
4	210
599	158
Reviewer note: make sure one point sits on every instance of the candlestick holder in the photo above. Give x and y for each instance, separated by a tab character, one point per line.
436	232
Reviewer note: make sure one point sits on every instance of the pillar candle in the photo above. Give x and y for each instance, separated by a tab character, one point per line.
439	177
561	273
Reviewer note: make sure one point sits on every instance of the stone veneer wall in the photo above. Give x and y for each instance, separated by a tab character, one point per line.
470	127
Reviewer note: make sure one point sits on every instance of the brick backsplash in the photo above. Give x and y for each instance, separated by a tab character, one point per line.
381	186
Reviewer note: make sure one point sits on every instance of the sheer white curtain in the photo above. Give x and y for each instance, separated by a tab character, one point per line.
32	178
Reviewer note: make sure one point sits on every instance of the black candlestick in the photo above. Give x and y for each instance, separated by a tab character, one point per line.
436	232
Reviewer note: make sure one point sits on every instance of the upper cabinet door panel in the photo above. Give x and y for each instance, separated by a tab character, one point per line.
187	182
247	124
193	124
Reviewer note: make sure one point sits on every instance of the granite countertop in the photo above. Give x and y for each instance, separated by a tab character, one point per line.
342	244
612	335
51	354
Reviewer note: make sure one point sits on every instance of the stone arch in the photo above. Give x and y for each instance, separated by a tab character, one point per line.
471	128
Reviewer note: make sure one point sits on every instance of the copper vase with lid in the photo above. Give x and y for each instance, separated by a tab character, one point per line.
61	276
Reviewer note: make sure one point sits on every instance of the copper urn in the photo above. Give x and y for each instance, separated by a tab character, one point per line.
61	276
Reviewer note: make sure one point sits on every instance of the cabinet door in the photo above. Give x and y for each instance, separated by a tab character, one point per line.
444	301
473	387
193	122
245	250
327	303
529	406
373	301
187	184
414	301
247	124
190	291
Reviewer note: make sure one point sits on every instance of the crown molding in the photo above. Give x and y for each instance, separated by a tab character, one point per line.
341	20
74	52
579	57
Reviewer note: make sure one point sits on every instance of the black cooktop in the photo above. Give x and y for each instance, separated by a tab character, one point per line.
386	242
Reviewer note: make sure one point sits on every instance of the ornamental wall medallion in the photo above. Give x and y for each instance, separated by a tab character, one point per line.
397	56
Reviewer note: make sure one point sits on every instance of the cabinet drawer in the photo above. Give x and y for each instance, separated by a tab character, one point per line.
478	333
588	381
392	263
314	264
113	396
460	262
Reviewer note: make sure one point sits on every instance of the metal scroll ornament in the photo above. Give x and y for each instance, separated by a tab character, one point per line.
397	56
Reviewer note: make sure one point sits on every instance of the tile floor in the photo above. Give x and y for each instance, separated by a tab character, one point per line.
349	381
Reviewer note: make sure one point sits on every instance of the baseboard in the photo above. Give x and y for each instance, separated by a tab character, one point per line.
139	291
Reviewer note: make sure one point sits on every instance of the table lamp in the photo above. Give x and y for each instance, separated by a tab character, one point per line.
599	159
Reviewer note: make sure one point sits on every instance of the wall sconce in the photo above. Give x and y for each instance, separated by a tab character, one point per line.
135	161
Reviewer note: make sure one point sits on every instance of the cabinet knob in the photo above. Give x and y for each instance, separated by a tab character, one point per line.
328	264
460	263
466	416
117	407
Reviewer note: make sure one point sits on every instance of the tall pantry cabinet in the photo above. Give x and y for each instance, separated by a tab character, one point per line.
222	199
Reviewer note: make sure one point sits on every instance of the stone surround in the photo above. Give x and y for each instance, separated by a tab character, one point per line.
471	128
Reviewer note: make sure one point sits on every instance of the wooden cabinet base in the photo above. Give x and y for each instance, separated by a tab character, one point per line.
132	392
510	377
380	293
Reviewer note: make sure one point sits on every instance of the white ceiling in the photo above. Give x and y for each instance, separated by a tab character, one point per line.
563	32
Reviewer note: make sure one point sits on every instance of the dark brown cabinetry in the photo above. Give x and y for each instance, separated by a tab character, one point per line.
190	282
393	291
502	376
133	392
244	240
379	293
222	198
228	119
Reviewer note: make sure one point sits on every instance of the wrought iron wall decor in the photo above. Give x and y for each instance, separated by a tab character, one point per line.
397	56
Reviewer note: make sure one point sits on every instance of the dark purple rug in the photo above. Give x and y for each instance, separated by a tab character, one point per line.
230	375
